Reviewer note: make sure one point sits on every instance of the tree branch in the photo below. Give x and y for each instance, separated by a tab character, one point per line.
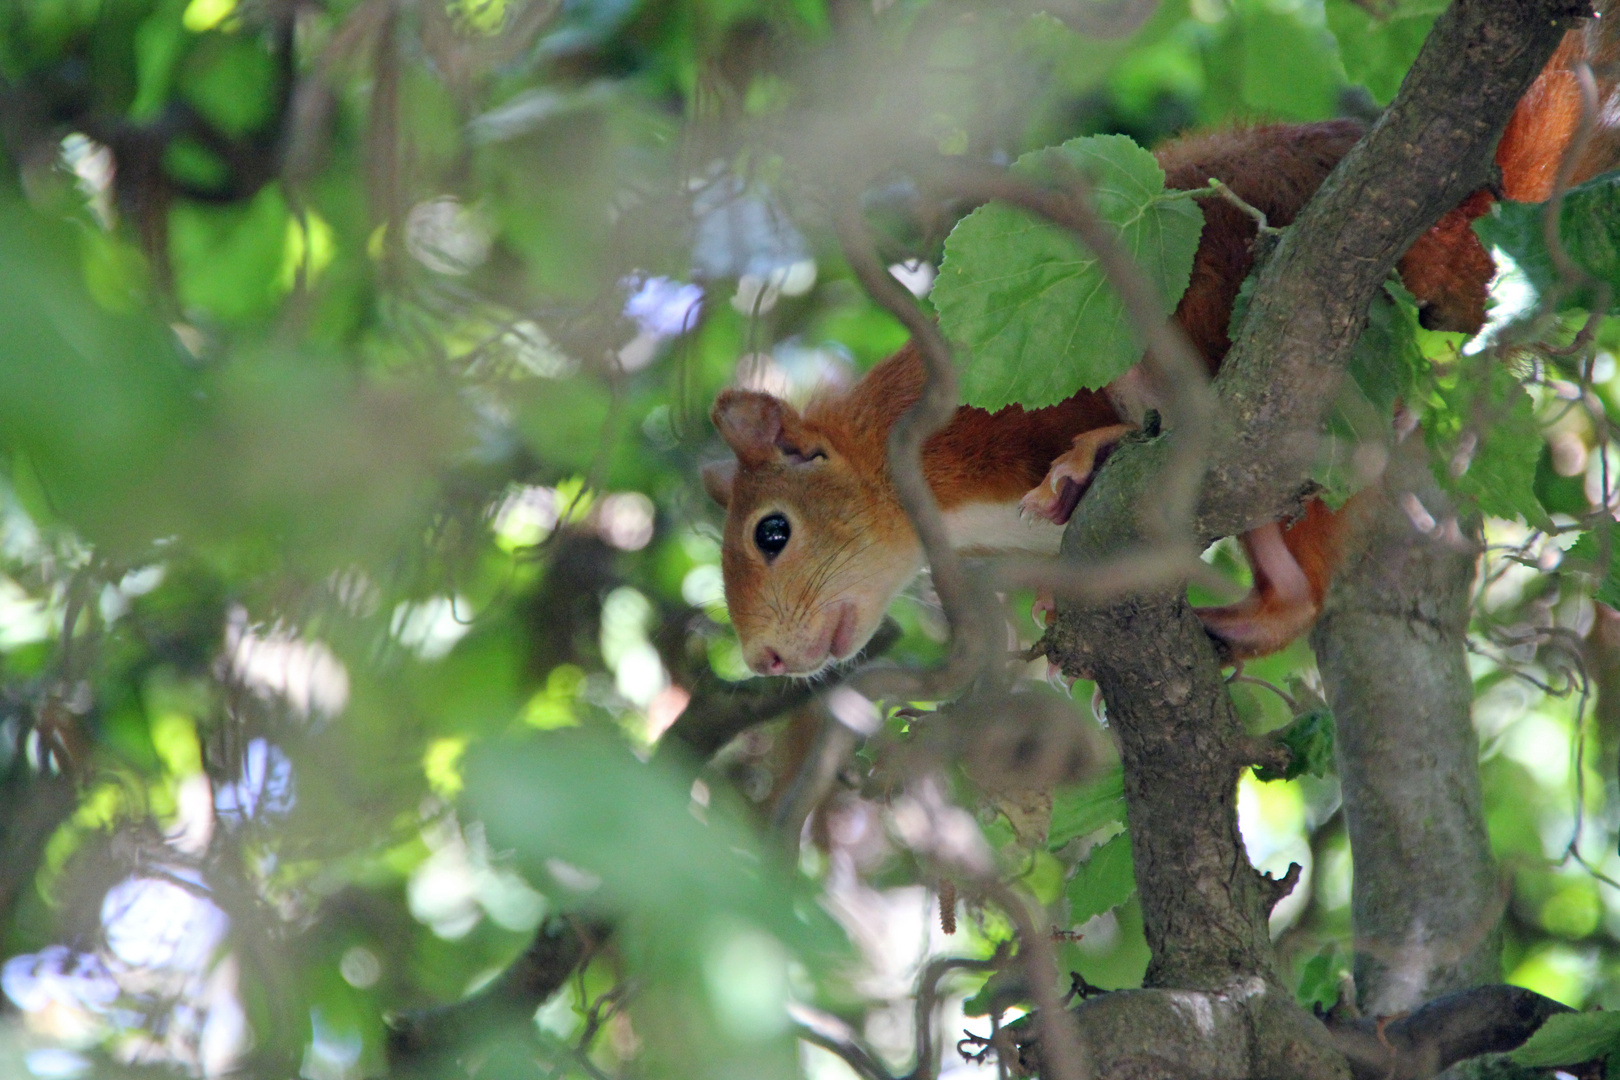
967	604
1390	644
720	711
1431	148
1483	1020
423	1043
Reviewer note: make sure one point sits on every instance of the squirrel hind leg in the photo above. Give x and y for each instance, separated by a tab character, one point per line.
1067	478
1281	606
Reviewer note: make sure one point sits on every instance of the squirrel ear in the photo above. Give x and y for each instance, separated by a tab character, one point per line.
752	423
717	480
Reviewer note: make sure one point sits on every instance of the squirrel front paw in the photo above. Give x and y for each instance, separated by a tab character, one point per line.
1066	480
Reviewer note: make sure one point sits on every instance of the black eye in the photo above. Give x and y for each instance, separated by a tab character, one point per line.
771	535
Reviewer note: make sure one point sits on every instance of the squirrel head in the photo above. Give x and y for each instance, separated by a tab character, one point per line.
815	545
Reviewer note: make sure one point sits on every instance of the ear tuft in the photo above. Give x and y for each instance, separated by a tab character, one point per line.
752	423
718	477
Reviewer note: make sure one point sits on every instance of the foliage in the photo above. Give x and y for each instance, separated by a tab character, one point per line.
353	386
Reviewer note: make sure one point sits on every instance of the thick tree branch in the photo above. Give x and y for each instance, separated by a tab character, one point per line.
1246	1029
1391	647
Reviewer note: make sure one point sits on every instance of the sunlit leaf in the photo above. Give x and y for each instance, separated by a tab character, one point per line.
1588	228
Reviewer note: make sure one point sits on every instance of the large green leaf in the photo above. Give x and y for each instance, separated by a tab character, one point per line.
1031	309
625	831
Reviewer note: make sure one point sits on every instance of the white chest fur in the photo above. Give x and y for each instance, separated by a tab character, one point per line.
996	528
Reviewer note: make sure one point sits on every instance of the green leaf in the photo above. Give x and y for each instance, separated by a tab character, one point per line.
1377	50
1085	808
1102	881
1571	1038
1586	556
228	259
1031	308
1487	442
1319	979
1560	494
1588	227
158	45
580	796
1309	739
230	80
1384	368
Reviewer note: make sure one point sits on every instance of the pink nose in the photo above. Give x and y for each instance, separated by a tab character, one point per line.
772	662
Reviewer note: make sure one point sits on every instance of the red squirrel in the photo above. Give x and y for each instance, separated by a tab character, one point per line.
816	545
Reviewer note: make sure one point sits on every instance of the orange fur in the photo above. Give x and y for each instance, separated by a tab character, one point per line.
825	472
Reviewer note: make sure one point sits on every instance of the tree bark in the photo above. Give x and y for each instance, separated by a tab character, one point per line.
1202	906
1390	644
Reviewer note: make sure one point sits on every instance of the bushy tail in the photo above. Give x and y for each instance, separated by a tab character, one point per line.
1546	126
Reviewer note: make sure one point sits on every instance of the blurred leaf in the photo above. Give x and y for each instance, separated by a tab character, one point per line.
1031	308
1377	49
1570	1039
1286	71
228	259
578	796
1104	880
231	81
158	46
92	398
1309	740
1082	809
1486	442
